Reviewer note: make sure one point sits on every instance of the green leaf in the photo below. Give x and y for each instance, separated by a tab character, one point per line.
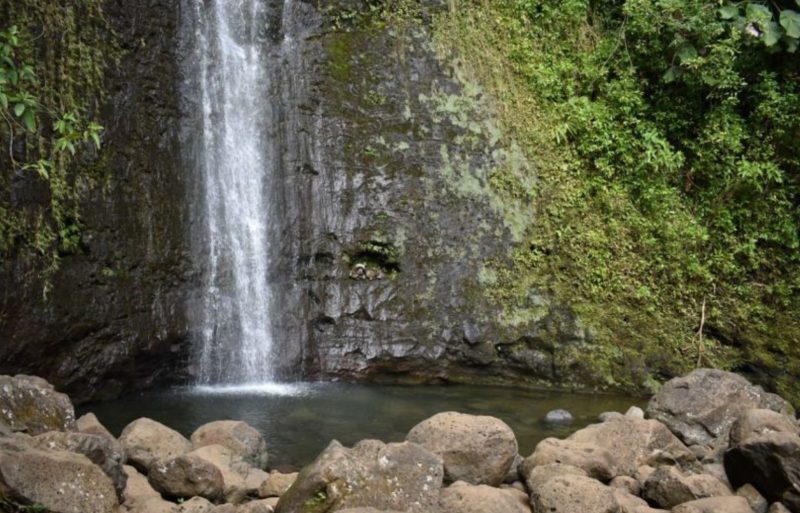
772	33
791	45
790	20
96	139
19	109
29	118
3	101
728	12
686	52
758	12
672	74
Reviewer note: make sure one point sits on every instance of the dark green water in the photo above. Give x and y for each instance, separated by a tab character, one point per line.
298	421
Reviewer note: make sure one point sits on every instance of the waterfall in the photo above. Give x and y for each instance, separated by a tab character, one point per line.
233	162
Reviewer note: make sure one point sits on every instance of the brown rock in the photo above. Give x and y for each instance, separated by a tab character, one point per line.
462	497
31	405
729	504
372	474
755	422
757	501
187	476
146	442
276	484
233	469
61	481
239	437
627	483
537	475
90	424
667	487
137	489
573	494
591	458
475	449
195	505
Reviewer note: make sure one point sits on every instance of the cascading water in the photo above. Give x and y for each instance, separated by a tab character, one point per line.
233	160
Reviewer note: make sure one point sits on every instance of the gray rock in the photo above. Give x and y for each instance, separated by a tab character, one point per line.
372	474
461	497
573	494
702	406
729	504
559	417
147	442
104	452
757	501
596	461
31	405
634	412
667	487
241	438
232	467
608	415
61	481
475	449
629	503
513	472
195	505
187	476
257	506
771	463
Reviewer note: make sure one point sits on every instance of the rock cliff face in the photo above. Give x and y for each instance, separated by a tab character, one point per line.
384	193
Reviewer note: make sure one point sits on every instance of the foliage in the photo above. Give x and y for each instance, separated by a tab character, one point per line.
665	134
53	57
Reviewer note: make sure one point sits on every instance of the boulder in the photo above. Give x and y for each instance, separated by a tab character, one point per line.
729	504
233	468
629	503
667	487
701	406
559	417
187	476
573	494
147	442
537	475
91	425
31	405
756	501
591	458
239	437
634	412
771	463
258	506
61	481
755	422
137	489
195	505
633	442
475	449
276	484
627	483
399	476
462	497
104	452
255	479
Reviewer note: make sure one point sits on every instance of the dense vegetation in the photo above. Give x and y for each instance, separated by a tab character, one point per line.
53	57
665	135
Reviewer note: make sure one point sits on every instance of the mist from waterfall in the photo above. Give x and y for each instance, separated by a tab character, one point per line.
233	163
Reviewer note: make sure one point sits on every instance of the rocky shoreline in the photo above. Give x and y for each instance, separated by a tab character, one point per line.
709	442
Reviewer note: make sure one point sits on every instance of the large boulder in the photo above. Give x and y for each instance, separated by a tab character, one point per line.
233	469
398	476
537	475
31	405
61	481
276	484
242	439
462	497
104	452
596	461
701	406
187	476
771	463
574	494
756	422
729	504
475	449
633	442
667	487
147	442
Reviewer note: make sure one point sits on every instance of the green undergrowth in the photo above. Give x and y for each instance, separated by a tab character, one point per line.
663	137
53	60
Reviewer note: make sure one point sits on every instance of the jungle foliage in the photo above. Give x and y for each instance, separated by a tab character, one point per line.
53	57
665	138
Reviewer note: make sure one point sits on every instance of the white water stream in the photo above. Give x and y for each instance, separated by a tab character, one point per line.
234	162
